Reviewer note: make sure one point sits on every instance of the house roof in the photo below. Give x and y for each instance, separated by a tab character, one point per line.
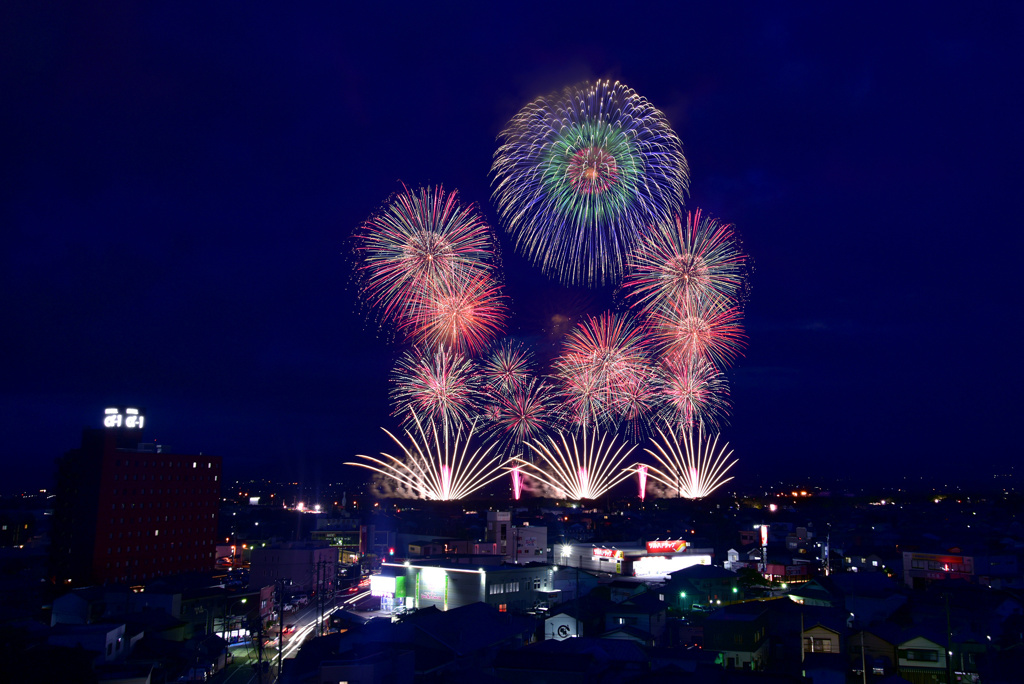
469	628
636	633
702	572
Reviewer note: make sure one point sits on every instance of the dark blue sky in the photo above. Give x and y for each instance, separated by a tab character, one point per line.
178	186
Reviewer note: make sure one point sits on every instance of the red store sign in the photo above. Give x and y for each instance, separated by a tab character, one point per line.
666	546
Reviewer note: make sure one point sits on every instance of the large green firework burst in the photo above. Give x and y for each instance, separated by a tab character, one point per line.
580	172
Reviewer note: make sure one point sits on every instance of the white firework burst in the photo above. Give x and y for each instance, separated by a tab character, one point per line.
692	466
436	463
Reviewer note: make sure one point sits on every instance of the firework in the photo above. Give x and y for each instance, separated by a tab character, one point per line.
507	367
676	262
604	372
462	315
577	173
435	385
641	474
578	467
522	413
693	467
691	391
700	330
436	463
517	482
421	240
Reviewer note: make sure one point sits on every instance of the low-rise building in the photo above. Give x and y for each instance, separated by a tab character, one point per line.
444	585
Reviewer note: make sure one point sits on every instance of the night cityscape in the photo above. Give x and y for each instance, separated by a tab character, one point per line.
537	344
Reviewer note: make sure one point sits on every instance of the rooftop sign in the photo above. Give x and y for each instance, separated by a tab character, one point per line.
130	418
666	546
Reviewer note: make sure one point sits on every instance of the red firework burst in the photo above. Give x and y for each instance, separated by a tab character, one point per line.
438	385
421	240
508	366
465	315
691	392
701	260
524	412
700	330
605	371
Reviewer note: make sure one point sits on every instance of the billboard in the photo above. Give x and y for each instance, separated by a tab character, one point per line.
666	546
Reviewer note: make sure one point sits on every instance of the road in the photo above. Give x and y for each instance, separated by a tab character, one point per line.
305	621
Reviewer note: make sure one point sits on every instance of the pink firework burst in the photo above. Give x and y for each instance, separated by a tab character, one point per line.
420	240
438	385
604	371
507	367
465	314
691	391
699	260
524	412
712	331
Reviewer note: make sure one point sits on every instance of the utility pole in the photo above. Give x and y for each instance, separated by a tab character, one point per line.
863	659
280	624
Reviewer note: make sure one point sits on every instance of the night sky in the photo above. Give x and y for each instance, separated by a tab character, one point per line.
180	184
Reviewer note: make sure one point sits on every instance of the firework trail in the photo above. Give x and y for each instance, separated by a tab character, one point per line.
641	473
691	391
578	467
604	372
464	315
700	330
436	463
691	467
437	386
577	173
517	482
677	263
421	240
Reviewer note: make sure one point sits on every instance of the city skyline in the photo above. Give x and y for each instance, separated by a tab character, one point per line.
184	184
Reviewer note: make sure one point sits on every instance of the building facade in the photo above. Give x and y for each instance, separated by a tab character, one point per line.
409	586
128	512
304	566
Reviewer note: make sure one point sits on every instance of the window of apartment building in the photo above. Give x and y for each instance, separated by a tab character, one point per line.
926	655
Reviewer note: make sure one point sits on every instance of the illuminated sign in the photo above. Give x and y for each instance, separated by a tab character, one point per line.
607	553
661	566
381	585
130	418
433	586
666	546
764	535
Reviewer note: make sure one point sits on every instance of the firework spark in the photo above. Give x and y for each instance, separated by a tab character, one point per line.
579	467
579	172
436	463
421	240
604	372
434	385
693	467
675	262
